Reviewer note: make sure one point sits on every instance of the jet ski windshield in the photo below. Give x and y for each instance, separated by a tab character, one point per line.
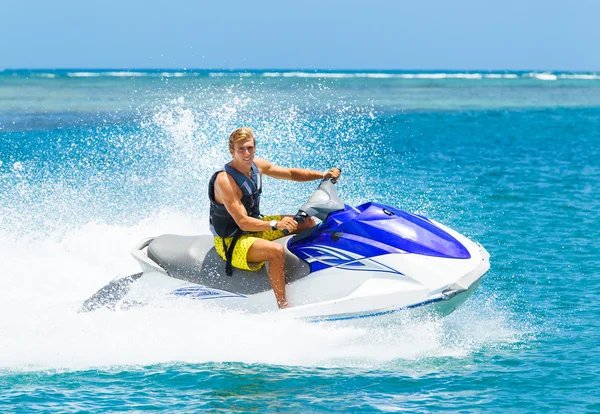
323	202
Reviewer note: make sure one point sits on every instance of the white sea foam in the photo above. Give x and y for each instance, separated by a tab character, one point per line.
125	74
319	75
116	74
379	75
172	74
384	75
443	76
315	75
231	74
83	74
580	76
545	76
501	76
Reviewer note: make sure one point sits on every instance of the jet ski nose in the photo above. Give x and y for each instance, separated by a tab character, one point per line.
407	232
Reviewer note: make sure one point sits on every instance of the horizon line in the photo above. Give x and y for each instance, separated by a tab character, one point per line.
185	69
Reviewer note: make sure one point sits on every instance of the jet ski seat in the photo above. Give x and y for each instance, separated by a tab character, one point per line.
194	259
174	252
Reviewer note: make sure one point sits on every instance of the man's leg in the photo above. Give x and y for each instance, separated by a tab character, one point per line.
274	253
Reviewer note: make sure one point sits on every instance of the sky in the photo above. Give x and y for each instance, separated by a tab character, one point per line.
307	34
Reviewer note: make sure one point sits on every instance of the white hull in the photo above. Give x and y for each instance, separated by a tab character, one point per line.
432	284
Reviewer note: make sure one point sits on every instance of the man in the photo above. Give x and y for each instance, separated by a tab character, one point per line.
243	237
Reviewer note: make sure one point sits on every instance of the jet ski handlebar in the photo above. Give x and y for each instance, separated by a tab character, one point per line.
299	217
321	203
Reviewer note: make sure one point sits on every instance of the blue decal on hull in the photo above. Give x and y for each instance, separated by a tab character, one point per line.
321	257
202	292
347	317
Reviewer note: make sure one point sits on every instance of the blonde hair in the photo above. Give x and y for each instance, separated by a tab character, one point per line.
240	134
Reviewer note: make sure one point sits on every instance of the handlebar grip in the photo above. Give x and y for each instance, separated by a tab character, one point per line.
334	180
299	218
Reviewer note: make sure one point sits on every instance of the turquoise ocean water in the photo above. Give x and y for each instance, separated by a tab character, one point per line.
93	161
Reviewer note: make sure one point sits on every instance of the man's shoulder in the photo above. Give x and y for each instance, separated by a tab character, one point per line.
225	182
262	164
222	177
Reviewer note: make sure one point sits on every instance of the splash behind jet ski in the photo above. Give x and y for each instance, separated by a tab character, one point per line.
359	262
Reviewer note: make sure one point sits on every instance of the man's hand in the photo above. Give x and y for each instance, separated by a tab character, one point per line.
332	173
287	223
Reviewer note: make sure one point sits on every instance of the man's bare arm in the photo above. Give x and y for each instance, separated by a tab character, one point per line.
295	174
228	193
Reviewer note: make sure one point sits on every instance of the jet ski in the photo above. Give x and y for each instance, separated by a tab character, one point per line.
359	262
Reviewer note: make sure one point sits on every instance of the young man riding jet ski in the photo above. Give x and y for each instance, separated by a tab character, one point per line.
243	237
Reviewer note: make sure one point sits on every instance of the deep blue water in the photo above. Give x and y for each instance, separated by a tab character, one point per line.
91	162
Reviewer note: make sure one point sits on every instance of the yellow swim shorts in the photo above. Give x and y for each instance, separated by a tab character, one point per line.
240	251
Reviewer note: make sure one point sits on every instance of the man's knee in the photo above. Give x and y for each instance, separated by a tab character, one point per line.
276	251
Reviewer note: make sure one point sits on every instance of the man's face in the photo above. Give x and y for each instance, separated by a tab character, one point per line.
243	151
